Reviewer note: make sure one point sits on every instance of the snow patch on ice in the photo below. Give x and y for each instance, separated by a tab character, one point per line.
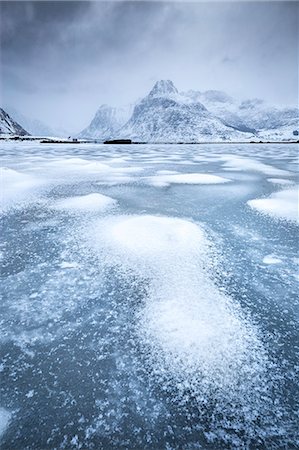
271	259
186	178
16	187
86	203
280	205
192	329
279	181
79	168
166	172
233	163
68	265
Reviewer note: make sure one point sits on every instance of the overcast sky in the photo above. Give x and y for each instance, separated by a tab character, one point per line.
61	60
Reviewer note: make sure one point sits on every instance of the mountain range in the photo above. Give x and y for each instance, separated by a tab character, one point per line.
167	115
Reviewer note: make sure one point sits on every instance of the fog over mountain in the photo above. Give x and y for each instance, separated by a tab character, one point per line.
61	60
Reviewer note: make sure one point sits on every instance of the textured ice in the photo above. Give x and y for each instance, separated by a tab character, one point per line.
186	178
86	203
280	205
192	328
5	417
164	322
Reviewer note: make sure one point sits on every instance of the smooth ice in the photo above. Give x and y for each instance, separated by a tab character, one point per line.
149	296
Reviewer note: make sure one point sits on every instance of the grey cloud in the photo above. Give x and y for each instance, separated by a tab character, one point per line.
61	60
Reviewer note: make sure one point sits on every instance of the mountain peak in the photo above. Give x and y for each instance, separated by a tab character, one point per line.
163	87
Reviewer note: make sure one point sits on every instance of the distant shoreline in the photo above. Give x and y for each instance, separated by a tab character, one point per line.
43	140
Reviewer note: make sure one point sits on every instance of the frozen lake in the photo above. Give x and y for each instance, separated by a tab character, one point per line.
149	297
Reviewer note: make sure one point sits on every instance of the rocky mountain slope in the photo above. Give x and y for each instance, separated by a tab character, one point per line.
10	126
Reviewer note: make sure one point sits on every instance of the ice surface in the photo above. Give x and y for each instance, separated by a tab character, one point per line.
86	203
186	178
31	184
168	320
280	205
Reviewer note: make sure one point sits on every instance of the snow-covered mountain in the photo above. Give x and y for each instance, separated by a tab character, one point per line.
34	126
250	115
165	115
263	117
9	125
106	122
